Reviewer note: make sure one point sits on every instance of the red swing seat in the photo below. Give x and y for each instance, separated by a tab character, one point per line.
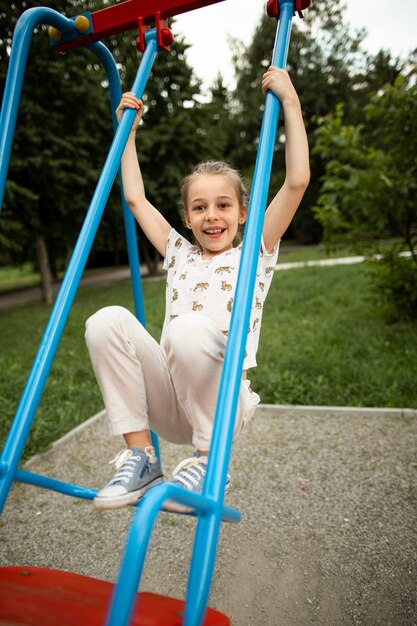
33	596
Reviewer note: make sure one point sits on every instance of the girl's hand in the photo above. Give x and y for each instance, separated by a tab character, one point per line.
130	101
279	82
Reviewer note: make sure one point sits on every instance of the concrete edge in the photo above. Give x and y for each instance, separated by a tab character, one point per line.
291	409
274	409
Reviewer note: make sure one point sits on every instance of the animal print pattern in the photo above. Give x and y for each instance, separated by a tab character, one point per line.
224	269
201	287
207	287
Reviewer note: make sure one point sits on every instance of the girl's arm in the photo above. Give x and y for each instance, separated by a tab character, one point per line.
152	222
280	212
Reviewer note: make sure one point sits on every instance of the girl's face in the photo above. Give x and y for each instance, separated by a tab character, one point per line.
214	213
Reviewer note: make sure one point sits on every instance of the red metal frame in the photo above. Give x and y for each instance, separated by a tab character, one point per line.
133	14
272	7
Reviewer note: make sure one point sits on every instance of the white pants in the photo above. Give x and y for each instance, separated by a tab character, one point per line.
172	390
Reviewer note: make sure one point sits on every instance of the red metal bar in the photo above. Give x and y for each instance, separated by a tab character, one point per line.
272	7
124	16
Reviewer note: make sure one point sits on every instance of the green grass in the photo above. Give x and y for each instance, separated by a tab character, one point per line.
290	253
12	278
322	342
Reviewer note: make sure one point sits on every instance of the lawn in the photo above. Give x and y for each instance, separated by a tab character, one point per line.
322	342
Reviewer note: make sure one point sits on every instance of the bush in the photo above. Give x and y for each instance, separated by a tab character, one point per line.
394	281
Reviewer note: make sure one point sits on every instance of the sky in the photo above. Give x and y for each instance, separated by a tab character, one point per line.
207	30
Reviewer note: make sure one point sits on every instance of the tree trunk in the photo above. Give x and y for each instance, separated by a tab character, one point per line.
44	269
151	261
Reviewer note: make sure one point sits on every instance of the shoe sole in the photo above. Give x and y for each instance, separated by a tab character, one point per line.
127	499
176	507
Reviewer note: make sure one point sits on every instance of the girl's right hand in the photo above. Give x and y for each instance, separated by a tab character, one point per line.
130	101
279	82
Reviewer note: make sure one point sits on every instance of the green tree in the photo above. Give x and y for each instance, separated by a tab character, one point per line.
217	124
56	155
63	134
327	65
369	186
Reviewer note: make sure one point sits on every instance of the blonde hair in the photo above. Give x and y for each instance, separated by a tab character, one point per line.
217	168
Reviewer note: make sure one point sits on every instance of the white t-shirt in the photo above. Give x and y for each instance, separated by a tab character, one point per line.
207	287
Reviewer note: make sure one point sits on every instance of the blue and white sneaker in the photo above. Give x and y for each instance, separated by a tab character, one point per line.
190	475
138	470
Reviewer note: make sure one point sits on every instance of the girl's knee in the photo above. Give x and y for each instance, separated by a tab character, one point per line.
101	324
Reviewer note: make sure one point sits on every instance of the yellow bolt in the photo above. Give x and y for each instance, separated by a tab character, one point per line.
54	34
82	23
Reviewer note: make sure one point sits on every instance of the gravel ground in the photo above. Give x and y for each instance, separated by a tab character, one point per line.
328	535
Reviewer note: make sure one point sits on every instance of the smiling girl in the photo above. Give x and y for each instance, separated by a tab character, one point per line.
172	387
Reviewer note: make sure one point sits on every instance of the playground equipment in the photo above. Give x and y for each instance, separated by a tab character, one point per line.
32	583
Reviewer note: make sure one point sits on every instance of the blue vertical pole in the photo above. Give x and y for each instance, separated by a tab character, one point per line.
22	36
207	532
43	361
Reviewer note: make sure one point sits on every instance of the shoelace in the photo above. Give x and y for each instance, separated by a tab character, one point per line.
190	471
125	462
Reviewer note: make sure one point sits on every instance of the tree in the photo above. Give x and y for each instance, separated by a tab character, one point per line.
63	133
327	65
369	186
217	122
51	171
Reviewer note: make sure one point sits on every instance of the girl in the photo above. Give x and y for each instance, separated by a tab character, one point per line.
172	388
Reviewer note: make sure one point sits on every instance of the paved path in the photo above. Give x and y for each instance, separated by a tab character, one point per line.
23	296
328	536
114	275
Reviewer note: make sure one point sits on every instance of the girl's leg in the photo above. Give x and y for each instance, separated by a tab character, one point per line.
195	353
132	373
133	377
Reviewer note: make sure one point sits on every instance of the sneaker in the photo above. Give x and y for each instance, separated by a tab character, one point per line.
189	474
138	470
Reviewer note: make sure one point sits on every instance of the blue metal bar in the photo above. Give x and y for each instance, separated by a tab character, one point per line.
201	504
22	36
203	557
43	361
138	540
46	482
115	91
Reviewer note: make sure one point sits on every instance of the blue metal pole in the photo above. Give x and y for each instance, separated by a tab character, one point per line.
43	361
137	543
115	91
55	485
22	36
203	558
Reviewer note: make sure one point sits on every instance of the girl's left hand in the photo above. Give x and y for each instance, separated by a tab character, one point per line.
279	82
